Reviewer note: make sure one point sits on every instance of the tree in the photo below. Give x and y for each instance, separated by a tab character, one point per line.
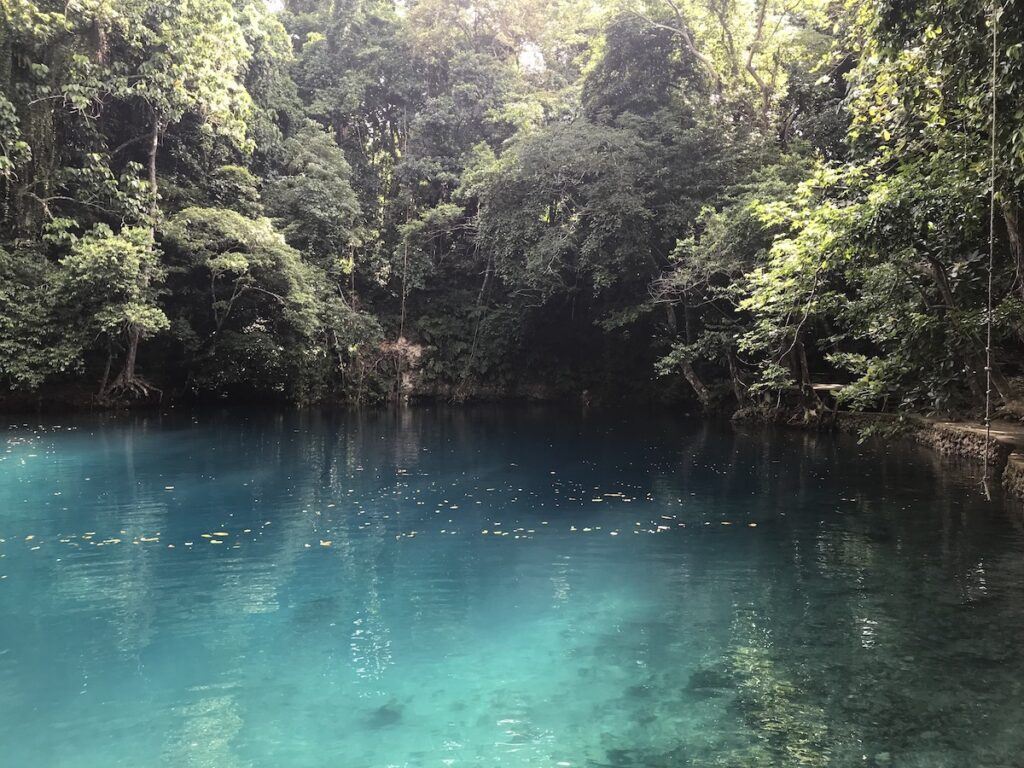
313	201
362	199
109	282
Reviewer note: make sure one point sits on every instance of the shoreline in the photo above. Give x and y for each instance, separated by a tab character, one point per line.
956	439
1003	446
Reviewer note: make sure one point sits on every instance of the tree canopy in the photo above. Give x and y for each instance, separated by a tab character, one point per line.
718	201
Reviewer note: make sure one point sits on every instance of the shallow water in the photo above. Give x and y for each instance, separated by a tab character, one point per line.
499	587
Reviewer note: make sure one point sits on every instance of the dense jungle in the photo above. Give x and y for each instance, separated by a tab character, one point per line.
722	203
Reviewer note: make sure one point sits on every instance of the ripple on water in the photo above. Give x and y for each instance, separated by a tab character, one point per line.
446	589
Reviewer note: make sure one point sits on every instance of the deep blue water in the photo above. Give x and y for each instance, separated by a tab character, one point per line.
499	587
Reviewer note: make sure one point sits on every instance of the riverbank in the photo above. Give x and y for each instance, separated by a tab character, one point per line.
967	440
1003	444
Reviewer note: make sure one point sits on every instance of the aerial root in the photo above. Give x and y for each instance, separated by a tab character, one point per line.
130	388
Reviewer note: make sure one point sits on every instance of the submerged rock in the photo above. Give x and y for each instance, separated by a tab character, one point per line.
385	716
709	680
639	691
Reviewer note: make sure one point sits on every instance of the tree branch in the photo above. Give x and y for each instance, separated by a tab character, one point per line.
683	32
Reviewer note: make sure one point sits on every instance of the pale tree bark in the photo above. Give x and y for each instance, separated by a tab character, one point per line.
702	392
682	30
763	88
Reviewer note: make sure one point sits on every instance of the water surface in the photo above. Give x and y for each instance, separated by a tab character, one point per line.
504	587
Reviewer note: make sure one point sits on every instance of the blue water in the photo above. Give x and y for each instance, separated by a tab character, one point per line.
499	587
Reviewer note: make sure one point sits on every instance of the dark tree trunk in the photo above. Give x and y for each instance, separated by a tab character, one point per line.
106	369
973	361
806	385
739	389
1011	217
134	335
126	380
942	283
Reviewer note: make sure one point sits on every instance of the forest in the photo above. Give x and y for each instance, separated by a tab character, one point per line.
716	202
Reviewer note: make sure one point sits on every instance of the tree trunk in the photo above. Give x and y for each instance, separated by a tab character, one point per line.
106	370
763	88
688	324
973	361
1011	217
942	283
127	381
703	395
670	318
154	143
738	387
806	385
134	335
802	366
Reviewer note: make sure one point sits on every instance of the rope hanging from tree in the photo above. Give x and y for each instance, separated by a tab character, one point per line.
991	246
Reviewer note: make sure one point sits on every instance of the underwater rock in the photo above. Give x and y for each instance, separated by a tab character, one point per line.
384	716
639	691
709	680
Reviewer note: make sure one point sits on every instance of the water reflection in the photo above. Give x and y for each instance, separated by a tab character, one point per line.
317	588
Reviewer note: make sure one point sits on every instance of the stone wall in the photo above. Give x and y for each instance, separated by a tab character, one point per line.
1013	475
962	440
966	442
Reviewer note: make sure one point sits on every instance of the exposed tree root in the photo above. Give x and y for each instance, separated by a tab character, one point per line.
130	388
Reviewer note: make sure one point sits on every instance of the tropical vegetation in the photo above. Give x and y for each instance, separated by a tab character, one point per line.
726	202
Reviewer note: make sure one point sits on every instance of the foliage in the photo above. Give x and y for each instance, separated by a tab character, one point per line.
313	201
33	346
110	280
367	199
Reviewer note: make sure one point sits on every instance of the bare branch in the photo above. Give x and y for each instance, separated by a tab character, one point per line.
682	30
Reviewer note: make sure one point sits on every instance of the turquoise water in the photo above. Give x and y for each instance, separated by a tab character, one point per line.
498	587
